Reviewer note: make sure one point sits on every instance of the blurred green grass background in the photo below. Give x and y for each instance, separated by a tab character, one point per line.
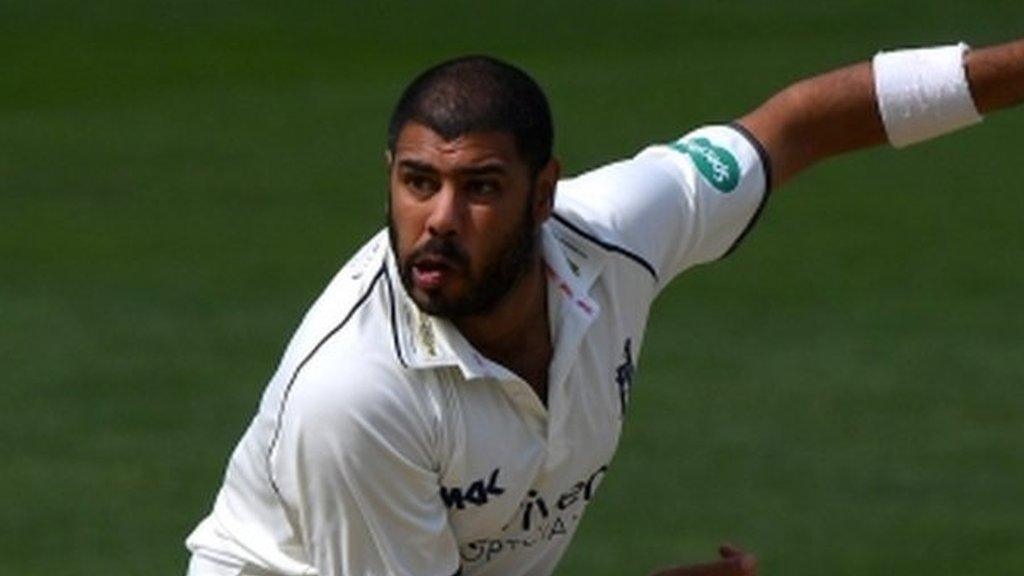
179	180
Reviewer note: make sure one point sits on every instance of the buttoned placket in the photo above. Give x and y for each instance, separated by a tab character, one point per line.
577	312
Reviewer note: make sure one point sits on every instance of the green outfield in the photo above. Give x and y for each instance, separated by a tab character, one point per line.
179	180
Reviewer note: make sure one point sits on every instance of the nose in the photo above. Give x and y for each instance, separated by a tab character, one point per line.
446	213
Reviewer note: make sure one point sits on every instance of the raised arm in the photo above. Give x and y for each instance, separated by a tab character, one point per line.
838	111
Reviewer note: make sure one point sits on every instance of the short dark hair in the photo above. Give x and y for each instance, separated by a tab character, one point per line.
478	94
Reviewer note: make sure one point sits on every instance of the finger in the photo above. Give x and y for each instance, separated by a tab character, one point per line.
748	562
727	550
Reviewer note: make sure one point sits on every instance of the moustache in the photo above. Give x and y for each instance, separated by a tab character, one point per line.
443	248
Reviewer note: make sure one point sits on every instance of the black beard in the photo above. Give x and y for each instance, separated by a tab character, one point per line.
496	279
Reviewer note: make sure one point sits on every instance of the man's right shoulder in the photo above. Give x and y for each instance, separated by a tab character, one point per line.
349	329
345	352
358	290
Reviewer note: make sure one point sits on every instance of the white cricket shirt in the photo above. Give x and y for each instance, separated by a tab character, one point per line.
386	445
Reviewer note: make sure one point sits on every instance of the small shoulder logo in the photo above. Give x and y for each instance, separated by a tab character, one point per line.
716	164
624	375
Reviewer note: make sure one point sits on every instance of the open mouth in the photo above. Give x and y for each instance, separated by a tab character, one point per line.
431	272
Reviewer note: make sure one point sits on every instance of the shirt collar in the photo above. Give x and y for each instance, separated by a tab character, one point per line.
424	341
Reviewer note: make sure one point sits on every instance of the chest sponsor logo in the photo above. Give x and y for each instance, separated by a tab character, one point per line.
476	494
716	164
624	375
539	521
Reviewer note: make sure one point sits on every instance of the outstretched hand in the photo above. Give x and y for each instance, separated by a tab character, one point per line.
734	562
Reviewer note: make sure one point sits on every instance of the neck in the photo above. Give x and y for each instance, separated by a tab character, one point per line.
516	333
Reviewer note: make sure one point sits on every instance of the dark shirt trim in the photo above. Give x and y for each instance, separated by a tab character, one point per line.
607	245
291	382
394	319
766	166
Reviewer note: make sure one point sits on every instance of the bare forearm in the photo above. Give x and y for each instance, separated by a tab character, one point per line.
837	112
996	75
817	118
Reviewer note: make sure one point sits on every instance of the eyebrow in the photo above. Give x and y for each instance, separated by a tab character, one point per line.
482	170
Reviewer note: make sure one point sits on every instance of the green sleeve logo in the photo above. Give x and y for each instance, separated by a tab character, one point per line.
716	164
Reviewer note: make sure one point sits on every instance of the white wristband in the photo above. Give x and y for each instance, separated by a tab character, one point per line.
923	93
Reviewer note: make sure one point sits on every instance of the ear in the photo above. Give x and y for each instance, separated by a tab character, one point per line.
545	185
389	158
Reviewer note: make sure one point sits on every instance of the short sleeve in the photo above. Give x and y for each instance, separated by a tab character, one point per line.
355	466
676	205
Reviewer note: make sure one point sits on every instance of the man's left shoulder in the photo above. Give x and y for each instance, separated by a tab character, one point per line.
595	252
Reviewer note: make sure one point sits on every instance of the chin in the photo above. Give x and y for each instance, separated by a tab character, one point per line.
433	303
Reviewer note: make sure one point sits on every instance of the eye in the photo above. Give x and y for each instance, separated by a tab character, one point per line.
483	189
420	184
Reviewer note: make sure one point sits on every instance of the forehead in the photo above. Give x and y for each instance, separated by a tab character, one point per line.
418	143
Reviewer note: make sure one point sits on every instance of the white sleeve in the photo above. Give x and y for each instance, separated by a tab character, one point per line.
355	465
677	205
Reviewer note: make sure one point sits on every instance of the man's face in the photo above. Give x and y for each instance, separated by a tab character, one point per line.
463	217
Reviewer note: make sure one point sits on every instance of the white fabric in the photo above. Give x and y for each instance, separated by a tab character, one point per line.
385	444
923	93
663	206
